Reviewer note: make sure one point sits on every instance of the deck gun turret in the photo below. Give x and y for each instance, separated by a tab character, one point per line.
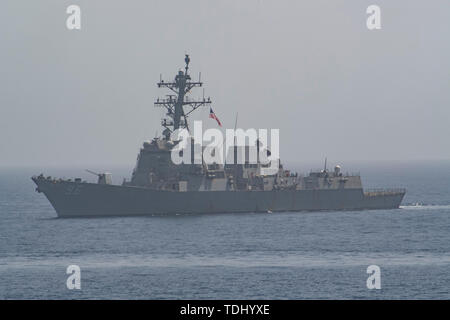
103	178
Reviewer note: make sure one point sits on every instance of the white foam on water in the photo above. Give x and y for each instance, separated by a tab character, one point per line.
253	260
419	206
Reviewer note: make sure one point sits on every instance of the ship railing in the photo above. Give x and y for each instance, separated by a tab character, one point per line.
344	174
384	191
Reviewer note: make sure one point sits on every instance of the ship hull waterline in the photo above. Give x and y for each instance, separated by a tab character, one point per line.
72	199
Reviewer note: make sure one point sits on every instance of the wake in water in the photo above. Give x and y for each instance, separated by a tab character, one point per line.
419	206
236	260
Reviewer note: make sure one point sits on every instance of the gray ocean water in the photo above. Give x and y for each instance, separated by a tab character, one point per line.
307	255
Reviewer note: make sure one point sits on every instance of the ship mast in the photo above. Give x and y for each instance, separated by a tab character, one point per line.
174	103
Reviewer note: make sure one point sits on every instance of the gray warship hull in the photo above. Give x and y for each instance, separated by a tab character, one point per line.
201	183
73	199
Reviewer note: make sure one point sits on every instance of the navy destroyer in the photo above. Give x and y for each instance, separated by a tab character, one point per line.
158	186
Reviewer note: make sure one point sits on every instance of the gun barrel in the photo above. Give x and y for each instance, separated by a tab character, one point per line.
94	173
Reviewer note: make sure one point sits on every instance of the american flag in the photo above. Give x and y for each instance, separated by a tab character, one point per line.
212	115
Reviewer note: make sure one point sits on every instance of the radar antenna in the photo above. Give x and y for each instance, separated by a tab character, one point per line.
176	115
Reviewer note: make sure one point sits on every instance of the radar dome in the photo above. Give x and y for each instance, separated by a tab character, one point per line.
337	169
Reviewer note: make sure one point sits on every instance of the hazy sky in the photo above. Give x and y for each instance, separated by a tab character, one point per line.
310	68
